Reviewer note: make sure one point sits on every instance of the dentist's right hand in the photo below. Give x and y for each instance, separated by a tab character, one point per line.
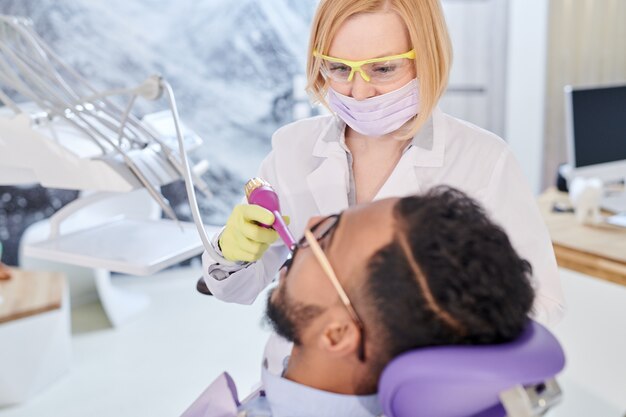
243	239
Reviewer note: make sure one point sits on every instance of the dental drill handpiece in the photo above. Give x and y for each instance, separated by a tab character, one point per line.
261	193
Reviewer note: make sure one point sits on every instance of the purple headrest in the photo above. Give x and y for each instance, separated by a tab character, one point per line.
463	381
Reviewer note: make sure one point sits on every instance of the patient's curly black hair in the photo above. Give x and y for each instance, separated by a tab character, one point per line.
449	276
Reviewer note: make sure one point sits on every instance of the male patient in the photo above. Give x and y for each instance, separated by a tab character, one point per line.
378	280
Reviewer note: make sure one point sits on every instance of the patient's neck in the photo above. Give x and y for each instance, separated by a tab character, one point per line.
341	377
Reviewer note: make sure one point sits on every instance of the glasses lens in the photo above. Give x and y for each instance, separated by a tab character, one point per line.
319	230
378	72
336	71
324	227
381	72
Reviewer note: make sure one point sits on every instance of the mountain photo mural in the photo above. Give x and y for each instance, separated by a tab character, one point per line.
236	67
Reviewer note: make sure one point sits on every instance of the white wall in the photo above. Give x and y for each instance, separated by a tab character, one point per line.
587	48
526	83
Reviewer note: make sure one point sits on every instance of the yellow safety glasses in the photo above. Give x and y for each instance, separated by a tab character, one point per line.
376	70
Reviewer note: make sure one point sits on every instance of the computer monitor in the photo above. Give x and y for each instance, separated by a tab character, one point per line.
596	131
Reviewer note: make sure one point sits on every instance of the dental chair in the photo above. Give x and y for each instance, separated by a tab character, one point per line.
514	379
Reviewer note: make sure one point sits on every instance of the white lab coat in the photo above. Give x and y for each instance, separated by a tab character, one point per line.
309	169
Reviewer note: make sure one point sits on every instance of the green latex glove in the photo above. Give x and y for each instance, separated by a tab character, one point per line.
243	239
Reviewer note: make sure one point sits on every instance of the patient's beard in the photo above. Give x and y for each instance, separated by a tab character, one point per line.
289	318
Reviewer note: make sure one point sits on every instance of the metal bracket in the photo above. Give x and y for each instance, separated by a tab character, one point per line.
532	400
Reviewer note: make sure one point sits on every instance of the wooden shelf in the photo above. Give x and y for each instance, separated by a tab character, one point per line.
596	250
28	293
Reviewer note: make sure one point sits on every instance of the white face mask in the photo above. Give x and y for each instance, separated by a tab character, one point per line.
377	116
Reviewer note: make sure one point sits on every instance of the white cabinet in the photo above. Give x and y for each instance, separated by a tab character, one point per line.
478	29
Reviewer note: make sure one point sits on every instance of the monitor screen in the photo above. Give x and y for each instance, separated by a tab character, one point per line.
599	125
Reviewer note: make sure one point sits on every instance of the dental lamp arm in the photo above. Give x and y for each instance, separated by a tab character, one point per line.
152	89
187	176
29	66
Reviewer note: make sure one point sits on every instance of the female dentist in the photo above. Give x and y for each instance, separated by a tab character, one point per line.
380	66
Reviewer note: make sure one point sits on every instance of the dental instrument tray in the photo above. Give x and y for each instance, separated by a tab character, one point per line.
129	246
59	130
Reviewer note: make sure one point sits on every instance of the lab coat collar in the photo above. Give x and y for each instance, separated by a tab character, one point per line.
329	141
287	398
428	144
329	183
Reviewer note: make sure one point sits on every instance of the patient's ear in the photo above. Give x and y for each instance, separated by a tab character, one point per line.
340	338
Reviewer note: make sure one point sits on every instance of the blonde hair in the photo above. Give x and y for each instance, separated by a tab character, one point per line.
429	37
